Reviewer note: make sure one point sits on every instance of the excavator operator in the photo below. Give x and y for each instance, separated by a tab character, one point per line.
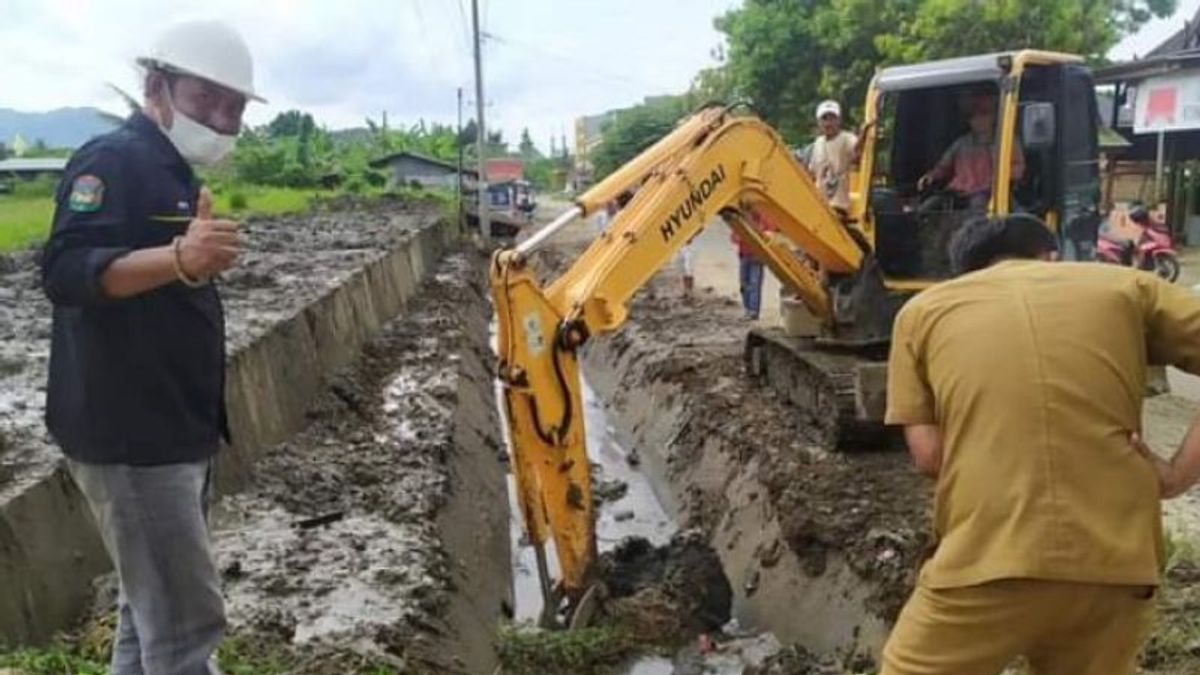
969	161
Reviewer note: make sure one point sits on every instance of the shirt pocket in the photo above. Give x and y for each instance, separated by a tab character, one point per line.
167	217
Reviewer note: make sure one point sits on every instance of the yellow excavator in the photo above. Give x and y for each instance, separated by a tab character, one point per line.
857	267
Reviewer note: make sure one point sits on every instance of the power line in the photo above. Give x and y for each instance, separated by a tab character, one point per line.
466	31
416	5
595	73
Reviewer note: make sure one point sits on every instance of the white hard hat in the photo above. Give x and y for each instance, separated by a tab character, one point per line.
211	50
827	107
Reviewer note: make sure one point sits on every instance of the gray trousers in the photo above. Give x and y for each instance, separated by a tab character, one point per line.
153	520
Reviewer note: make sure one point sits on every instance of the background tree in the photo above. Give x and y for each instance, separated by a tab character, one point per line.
784	56
633	130
527	149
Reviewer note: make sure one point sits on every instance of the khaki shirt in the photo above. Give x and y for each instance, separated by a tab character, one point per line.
830	165
1035	374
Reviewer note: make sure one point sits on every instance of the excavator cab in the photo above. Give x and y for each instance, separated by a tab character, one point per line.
1039	156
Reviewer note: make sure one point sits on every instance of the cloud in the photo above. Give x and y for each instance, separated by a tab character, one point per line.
548	61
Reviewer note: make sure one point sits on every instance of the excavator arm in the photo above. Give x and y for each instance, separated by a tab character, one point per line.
713	163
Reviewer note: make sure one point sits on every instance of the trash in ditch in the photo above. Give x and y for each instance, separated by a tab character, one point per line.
325	519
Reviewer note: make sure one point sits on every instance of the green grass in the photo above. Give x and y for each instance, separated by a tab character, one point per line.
88	654
25	218
267	201
24	221
595	650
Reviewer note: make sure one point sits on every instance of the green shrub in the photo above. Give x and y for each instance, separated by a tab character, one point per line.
526	650
238	201
42	186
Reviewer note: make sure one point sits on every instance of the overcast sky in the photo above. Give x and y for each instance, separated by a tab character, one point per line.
548	61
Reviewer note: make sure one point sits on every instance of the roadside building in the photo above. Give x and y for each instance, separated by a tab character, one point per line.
409	168
1153	104
20	168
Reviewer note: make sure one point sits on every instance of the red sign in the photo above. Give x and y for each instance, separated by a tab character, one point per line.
1161	105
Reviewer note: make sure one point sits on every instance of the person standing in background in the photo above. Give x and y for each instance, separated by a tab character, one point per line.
832	155
750	269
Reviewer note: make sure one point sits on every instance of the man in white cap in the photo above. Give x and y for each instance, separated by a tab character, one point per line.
832	155
137	358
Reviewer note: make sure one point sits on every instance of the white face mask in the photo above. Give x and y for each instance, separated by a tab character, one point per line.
198	144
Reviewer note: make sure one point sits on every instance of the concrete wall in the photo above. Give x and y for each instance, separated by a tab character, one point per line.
49	550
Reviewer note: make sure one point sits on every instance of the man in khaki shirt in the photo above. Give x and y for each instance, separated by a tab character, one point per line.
1020	387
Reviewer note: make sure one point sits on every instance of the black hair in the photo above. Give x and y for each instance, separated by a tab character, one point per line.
982	241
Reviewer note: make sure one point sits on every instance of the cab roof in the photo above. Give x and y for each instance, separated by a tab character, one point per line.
962	70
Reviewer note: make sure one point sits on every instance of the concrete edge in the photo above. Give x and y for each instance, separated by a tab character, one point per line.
50	552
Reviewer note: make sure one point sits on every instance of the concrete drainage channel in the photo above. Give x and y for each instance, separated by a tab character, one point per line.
363	522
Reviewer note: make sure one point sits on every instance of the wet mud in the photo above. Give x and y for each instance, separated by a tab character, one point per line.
287	261
339	545
667	594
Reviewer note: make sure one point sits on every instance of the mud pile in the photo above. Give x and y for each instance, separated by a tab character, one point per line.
341	544
669	594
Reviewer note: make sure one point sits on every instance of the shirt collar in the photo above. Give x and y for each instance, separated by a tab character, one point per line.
164	150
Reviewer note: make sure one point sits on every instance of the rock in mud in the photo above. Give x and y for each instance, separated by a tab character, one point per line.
610	490
668	594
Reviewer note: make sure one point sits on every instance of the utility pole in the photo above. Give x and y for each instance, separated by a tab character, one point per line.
485	228
458	141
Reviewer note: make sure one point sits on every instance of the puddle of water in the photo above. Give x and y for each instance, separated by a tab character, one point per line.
652	665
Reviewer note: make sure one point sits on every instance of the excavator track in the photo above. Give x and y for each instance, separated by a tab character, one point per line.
838	392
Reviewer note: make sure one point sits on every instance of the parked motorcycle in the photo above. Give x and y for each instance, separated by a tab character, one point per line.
1153	251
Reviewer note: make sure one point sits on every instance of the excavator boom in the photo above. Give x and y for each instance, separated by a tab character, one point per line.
713	163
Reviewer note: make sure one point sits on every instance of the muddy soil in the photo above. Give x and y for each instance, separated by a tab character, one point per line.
287	261
869	508
336	547
666	594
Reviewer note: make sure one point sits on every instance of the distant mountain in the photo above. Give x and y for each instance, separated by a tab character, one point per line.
62	128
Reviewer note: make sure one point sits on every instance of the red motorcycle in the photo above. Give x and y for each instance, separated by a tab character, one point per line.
1153	251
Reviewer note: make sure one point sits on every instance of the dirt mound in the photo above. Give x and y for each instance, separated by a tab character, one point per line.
666	594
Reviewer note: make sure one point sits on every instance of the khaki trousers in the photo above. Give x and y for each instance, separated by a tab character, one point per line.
1061	628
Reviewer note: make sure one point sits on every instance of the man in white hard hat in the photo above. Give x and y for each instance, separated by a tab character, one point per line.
832	155
137	359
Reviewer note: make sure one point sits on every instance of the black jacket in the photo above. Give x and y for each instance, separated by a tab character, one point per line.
140	380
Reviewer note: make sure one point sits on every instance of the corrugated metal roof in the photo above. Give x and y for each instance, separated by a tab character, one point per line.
21	164
387	159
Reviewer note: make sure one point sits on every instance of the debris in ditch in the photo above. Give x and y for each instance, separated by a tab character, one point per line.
796	660
309	523
632	458
606	491
669	594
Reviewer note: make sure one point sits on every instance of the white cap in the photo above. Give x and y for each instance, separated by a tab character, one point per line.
827	107
211	50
